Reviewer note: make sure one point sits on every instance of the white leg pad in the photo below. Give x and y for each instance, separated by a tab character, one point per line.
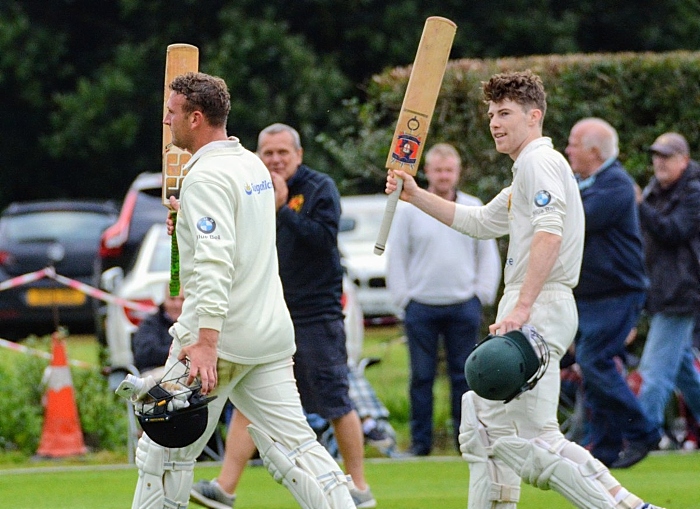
304	472
492	485
564	467
164	482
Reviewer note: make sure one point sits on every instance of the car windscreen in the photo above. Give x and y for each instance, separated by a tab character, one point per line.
360	226
160	262
56	226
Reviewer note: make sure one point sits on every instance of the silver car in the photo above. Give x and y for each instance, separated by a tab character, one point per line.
360	219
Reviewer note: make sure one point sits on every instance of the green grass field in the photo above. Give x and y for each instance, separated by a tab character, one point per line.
102	480
670	480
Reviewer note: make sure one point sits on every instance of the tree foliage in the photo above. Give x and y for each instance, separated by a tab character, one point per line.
641	94
81	80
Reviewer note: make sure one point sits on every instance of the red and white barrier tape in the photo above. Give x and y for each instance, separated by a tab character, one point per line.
4	343
50	272
99	294
23	280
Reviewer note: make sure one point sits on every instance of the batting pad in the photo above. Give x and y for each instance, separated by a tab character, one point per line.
580	478
162	483
492	485
306	475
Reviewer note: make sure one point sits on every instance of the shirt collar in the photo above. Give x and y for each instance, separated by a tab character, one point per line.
231	142
590	180
533	145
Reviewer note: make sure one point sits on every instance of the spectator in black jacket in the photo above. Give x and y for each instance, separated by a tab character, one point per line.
611	290
669	210
151	341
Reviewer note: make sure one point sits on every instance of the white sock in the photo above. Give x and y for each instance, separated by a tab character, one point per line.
622	494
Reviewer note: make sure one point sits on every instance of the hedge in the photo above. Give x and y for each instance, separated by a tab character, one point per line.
641	94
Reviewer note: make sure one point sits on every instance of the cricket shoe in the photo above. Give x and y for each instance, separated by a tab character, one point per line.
378	438
209	494
363	499
633	453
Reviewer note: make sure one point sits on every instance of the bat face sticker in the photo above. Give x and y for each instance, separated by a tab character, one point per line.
406	149
206	225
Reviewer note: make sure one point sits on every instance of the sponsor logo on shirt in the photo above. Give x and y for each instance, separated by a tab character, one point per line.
257	188
207	225
542	198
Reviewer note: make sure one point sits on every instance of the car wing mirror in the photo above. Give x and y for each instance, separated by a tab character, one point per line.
111	279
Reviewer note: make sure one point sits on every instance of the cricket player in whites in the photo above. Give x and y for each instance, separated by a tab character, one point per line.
235	328
541	211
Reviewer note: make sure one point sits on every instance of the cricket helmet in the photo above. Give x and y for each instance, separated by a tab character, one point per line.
174	414
501	367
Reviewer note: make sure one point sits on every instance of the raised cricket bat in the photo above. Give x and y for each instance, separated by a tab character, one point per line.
417	110
179	59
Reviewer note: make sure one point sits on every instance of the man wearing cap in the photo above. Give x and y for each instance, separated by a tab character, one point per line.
669	210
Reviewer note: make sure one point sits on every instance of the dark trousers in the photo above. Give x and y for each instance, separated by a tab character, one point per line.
458	325
614	411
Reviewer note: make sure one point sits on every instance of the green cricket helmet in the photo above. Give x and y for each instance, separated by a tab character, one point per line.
501	367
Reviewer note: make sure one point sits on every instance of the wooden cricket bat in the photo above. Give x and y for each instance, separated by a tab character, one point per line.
417	110
179	59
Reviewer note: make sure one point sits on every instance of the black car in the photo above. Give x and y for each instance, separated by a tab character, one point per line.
119	244
35	235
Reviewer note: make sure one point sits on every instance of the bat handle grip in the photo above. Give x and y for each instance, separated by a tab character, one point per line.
174	259
391	202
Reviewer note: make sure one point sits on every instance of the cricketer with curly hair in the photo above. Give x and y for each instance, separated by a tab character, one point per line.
541	211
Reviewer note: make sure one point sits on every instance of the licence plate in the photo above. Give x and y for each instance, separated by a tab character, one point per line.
42	297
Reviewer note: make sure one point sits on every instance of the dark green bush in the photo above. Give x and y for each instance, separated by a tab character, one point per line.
20	401
102	413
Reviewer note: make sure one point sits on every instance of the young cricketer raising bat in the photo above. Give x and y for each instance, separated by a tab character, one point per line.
541	211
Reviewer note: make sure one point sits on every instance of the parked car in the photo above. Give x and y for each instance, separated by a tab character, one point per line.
360	219
141	208
147	282
34	235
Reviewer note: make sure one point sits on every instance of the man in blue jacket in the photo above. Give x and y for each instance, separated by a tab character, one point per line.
611	291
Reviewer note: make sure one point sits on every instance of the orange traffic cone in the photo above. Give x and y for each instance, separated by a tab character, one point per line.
61	435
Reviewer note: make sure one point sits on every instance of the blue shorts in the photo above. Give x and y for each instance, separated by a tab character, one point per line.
321	368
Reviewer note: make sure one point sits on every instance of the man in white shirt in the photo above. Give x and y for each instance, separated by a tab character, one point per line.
439	279
235	329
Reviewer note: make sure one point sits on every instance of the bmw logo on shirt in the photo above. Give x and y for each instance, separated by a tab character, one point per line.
542	198
207	225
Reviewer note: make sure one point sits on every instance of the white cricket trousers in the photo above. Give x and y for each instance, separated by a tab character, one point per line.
534	413
266	394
